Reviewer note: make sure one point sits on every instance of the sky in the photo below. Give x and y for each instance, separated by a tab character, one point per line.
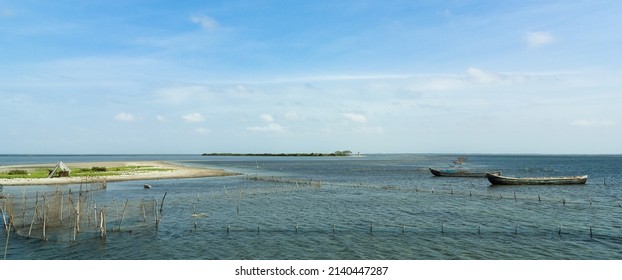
191	77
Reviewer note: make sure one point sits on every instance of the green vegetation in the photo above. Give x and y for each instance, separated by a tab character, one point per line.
334	154
43	172
99	169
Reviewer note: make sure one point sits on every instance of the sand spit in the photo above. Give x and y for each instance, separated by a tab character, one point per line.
174	171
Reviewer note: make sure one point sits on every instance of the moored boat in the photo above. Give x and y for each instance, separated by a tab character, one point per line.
496	179
461	172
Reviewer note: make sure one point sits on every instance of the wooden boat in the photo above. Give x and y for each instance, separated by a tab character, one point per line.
461	172
496	179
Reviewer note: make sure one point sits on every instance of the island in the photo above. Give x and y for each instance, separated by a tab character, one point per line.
333	154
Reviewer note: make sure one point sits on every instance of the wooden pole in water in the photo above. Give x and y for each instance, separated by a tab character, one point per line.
104	228
591	236
371	228
144	212
34	214
442	227
44	220
6	226
589	199
155	212
162	204
8	235
123	216
61	207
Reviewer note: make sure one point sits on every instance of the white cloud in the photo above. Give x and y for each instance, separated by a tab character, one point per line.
161	119
267	118
481	76
271	127
205	21
355	117
125	117
538	39
194	117
593	123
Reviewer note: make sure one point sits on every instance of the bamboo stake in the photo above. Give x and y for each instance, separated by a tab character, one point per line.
34	215
155	212
162	204
75	231
103	223
95	215
61	207
123	216
6	226
144	212
78	209
6	245
44	219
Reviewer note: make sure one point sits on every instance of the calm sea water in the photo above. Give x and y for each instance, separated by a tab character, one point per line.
371	207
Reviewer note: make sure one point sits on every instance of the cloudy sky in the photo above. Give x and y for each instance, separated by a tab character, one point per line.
310	76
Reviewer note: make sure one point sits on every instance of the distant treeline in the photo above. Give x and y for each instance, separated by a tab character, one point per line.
334	154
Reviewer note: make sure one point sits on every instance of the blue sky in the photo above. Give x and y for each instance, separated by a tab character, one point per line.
310	76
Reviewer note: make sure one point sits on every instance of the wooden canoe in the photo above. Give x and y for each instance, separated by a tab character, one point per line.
565	180
461	173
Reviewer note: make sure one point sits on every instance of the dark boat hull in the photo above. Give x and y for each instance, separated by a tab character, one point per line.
460	173
504	180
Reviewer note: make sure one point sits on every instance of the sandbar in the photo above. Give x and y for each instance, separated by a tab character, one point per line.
173	171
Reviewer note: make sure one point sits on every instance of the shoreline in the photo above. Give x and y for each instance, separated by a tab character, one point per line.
175	171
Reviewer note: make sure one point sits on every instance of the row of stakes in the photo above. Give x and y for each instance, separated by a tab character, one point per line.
371	229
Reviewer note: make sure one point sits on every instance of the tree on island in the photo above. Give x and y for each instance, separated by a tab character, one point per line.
343	153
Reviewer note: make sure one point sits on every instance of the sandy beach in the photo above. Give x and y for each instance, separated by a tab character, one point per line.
173	171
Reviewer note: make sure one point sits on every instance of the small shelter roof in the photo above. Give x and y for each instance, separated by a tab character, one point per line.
60	165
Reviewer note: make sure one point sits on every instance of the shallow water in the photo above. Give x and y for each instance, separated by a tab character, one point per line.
372	207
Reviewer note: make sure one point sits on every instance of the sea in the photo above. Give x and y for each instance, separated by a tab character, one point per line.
365	207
